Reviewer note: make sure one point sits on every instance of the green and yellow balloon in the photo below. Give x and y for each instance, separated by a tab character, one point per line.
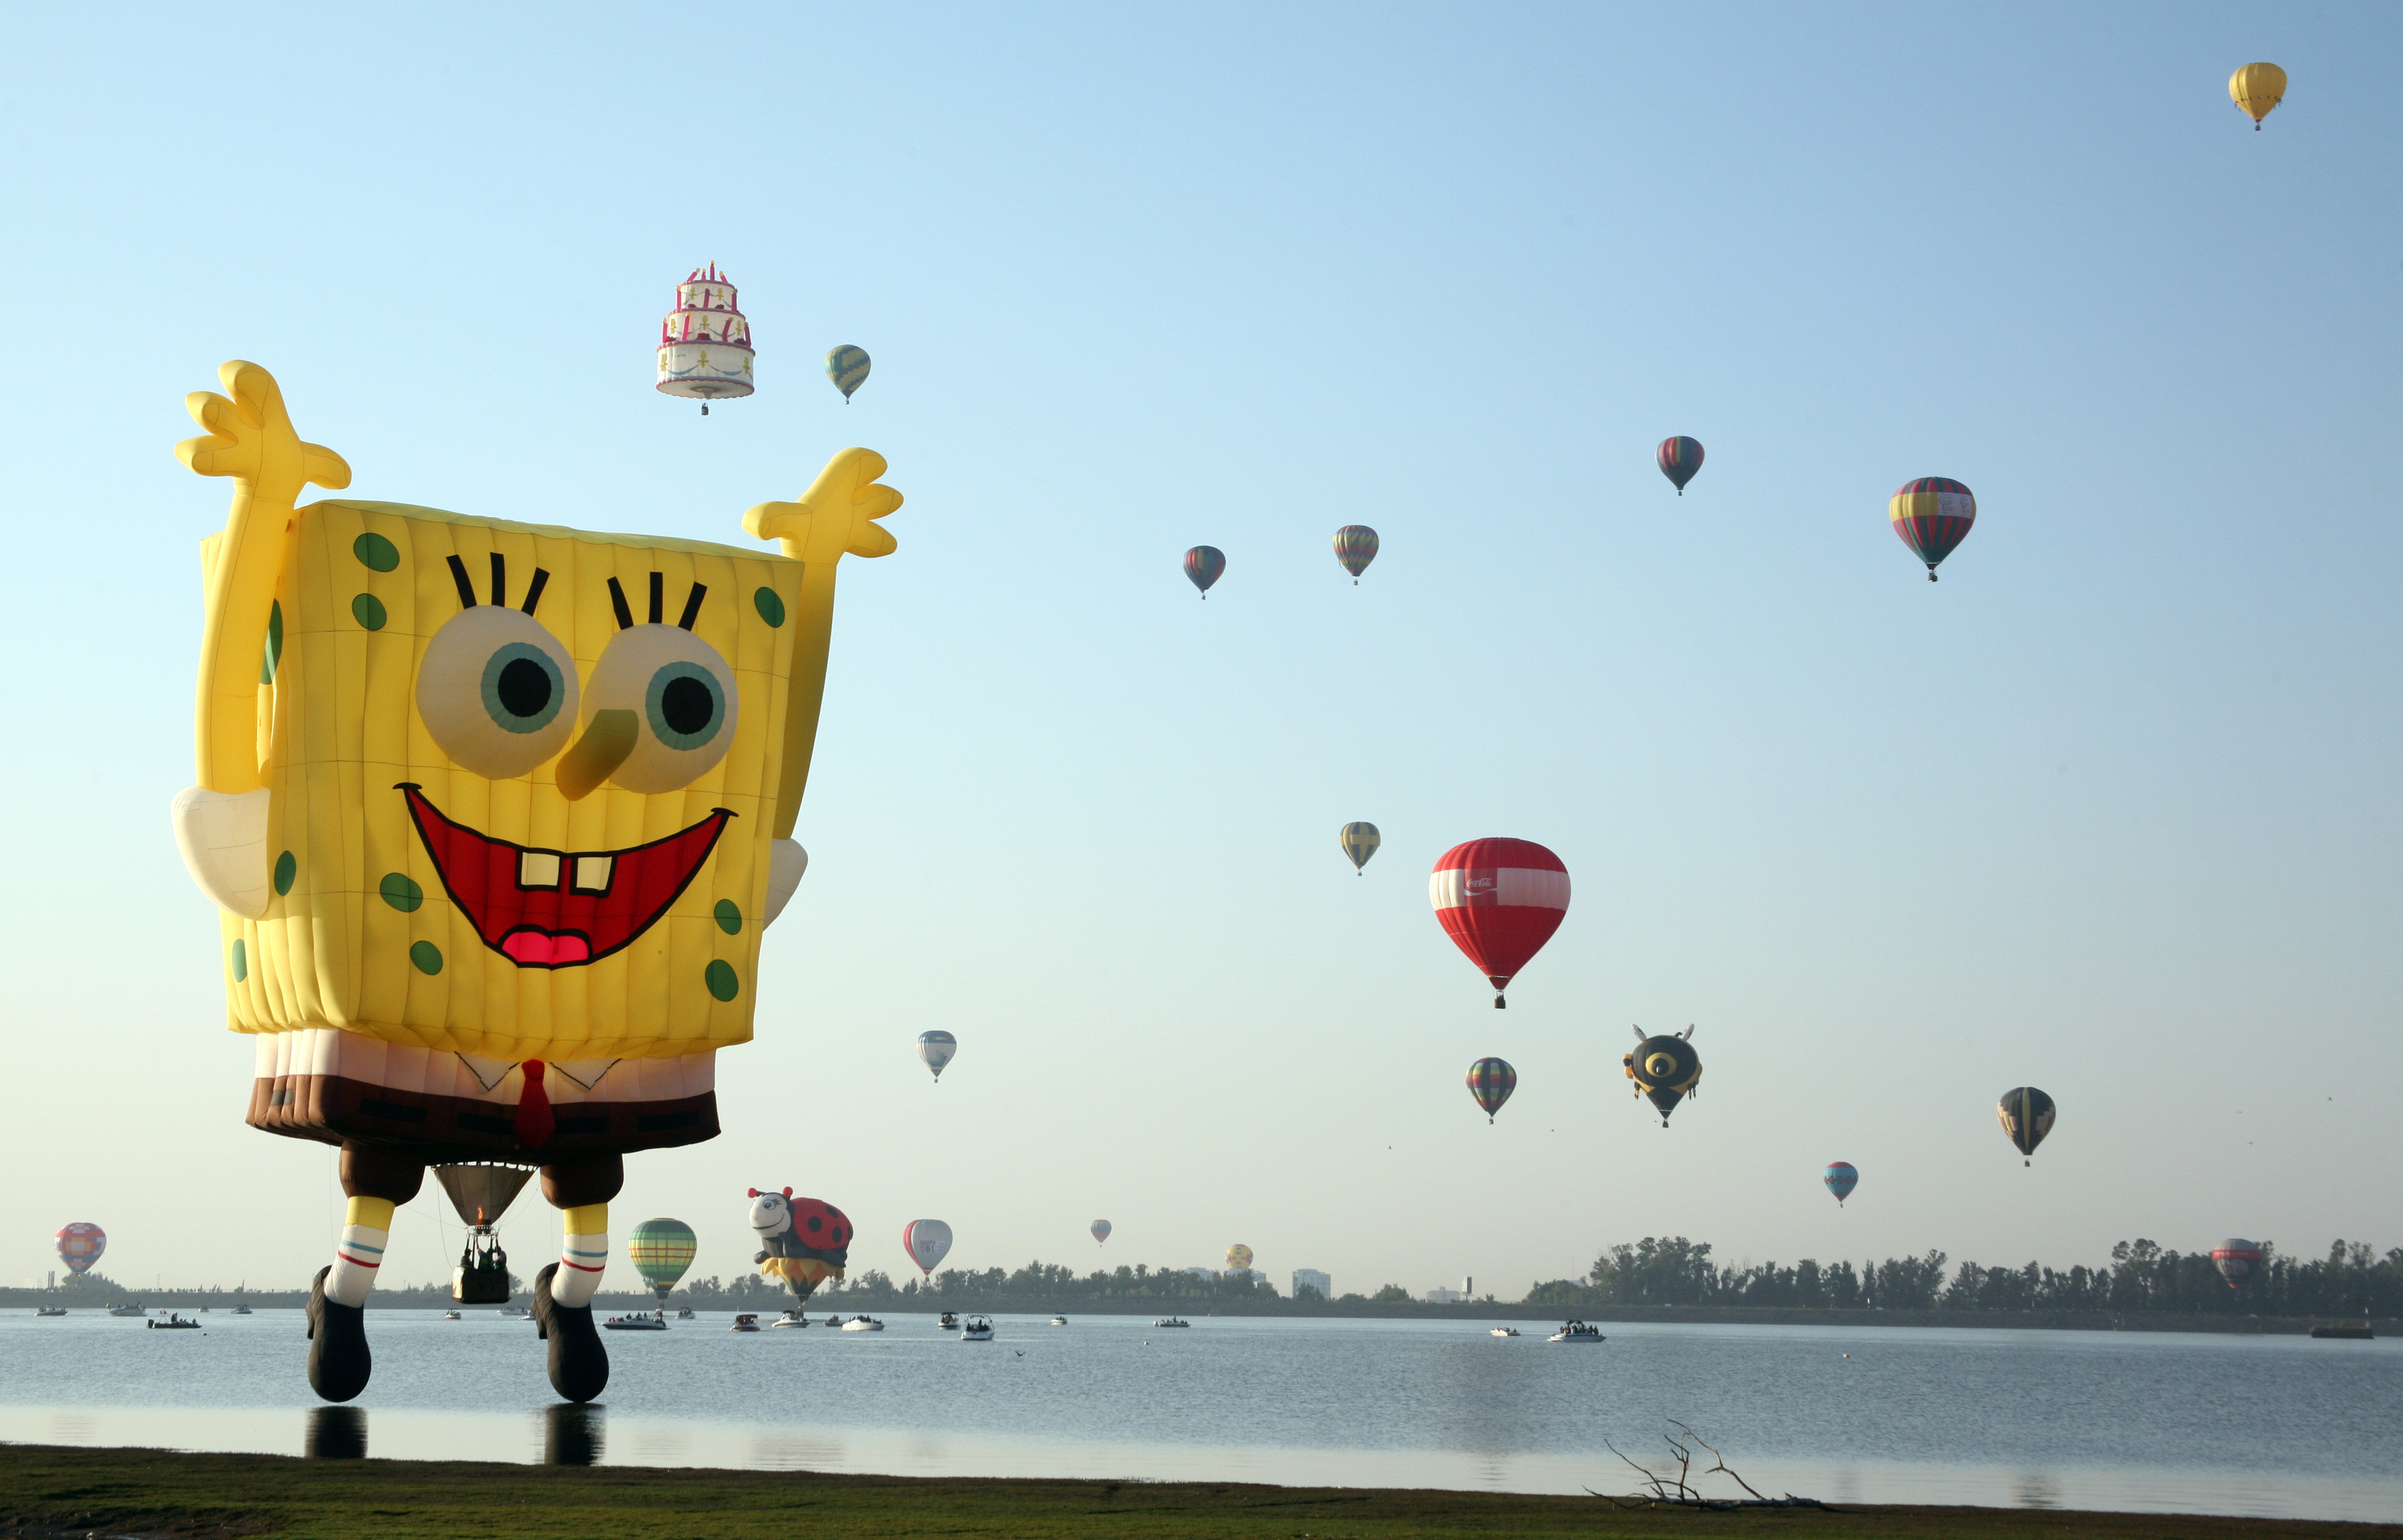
847	366
662	1250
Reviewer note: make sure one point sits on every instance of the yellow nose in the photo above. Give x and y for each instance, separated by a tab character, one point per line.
607	739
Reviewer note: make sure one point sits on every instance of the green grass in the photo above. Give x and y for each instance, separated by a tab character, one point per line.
152	1492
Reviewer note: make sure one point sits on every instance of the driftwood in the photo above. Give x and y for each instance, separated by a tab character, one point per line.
1678	1490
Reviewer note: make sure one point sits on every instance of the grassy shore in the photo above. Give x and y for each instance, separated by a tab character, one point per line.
144	1493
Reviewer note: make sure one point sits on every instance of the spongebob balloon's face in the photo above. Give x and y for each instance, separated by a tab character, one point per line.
523	781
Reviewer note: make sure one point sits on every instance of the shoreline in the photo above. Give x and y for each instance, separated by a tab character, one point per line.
47	1491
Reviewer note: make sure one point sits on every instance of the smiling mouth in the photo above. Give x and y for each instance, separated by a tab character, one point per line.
548	908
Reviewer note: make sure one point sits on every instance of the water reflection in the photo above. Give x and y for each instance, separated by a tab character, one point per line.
571	1435
336	1433
2035	1488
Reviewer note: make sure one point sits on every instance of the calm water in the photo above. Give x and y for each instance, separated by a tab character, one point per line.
2269	1426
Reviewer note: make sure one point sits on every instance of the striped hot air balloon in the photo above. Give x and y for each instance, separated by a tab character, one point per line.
1492	1081
1204	564
1359	842
1932	514
2026	1114
847	366
927	1242
1841	1178
81	1245
2255	89
1680	457
1499	900
662	1250
1356	546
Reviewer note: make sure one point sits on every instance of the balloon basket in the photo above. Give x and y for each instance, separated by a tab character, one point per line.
482	1275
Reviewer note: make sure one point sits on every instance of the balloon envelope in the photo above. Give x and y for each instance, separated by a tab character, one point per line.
938	1049
2255	89
1239	1256
1665	1069
1101	1229
1492	1081
1931	515
847	366
662	1250
481	1194
2027	1115
1499	900
927	1242
1679	458
1202	564
1356	546
1841	1178
81	1245
1359	842
2237	1261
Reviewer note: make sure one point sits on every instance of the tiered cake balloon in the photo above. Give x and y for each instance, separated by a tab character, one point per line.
705	342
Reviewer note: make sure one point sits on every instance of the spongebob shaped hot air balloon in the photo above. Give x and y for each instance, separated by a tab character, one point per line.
494	814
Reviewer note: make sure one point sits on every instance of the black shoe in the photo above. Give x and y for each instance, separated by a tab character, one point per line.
579	1366
338	1365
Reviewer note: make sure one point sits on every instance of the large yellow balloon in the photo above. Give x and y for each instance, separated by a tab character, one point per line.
2256	88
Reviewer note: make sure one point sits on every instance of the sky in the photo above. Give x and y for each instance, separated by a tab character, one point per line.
2110	811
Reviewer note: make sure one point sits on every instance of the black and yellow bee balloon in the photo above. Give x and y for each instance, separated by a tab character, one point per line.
1664	1068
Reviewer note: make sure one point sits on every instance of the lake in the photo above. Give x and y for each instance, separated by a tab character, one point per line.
2157	1421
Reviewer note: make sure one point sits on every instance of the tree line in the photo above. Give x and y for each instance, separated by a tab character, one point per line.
2352	1279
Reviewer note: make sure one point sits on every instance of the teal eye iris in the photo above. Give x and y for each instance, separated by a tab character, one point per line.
522	688
685	705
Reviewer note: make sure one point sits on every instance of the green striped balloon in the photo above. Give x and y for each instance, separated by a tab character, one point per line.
662	1249
847	366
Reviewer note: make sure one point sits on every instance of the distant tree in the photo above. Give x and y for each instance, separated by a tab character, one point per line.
1389	1294
1308	1294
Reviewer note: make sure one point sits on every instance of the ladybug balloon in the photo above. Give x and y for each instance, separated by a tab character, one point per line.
802	1241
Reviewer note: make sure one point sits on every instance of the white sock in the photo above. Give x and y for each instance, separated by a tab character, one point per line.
355	1260
581	1257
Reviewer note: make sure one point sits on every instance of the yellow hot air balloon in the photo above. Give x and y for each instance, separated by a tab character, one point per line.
2256	88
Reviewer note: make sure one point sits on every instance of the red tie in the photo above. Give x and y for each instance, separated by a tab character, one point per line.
533	1119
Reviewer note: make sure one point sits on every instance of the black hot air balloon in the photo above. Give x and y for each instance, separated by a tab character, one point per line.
1664	1068
1679	458
2027	1115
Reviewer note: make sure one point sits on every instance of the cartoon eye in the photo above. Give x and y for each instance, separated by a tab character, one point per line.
679	690
1661	1064
495	689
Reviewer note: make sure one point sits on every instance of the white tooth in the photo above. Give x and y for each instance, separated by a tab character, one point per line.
538	869
592	873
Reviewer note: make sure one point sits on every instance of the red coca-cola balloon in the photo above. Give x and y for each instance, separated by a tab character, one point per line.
1499	900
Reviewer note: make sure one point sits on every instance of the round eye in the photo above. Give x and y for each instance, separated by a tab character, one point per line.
497	691
680	692
1661	1064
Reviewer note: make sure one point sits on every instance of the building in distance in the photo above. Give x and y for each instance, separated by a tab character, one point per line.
1310	1278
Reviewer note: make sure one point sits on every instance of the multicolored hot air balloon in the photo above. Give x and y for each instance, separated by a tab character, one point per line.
1931	515
937	1048
2237	1261
2027	1115
847	366
1666	1069
1356	546
1841	1178
1359	842
927	1242
1204	564
663	1250
1680	457
1492	1081
1101	1229
81	1245
1238	1257
2255	89
1499	900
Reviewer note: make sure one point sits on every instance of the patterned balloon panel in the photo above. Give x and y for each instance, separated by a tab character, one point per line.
1356	546
937	1048
1359	841
1239	1256
81	1245
1204	565
1679	458
662	1250
1492	1081
1842	1177
927	1242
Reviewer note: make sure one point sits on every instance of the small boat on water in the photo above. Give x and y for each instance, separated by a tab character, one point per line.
2342	1334
49	1310
790	1318
1504	1331
978	1328
514	1312
128	1310
451	1315
172	1322
1577	1331
242	1310
948	1323
685	1314
745	1323
655	1321
1059	1320
863	1322
1170	1321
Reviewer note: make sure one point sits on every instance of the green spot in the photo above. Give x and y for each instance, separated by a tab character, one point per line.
241	963
770	605
720	978
368	610
375	552
400	892
286	869
427	956
729	919
275	642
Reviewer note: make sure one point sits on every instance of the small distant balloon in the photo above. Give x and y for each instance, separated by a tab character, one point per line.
1238	1257
662	1250
2026	1114
847	366
1359	842
1356	546
1101	1229
2255	89
927	1242
1931	515
937	1048
81	1245
2237	1261
1680	457
1204	564
1841	1178
1492	1081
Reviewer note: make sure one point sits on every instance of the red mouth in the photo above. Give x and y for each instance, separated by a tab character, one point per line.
545	908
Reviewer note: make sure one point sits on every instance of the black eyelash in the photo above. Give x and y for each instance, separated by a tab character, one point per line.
618	603
466	590
500	578
533	591
658	598
692	605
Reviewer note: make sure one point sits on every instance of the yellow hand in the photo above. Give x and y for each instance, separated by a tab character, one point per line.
251	440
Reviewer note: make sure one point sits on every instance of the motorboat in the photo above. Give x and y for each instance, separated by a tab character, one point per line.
127	1310
790	1318
1504	1331
49	1310
685	1314
862	1323
977	1329
1577	1331
1059	1320
1170	1321
172	1322
451	1315
745	1323
242	1310
834	1320
948	1323
655	1321
514	1312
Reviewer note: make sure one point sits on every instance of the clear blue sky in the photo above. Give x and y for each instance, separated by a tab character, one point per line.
2111	810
